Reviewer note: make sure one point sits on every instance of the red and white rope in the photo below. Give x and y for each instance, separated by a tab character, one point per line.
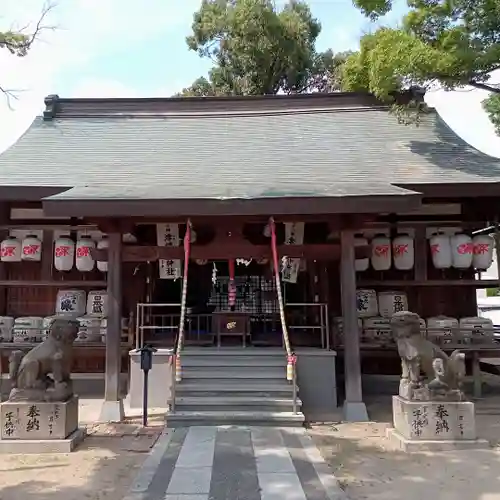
281	305
187	253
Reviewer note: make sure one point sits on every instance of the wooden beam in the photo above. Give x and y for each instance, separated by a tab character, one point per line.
54	283
420	254
4	213
354	407
113	334
137	253
47	255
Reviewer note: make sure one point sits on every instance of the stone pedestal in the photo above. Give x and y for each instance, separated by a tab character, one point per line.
39	427
434	425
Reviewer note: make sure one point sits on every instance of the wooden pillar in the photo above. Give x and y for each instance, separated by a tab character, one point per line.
112	409
354	408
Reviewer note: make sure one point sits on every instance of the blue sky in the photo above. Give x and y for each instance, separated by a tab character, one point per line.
126	48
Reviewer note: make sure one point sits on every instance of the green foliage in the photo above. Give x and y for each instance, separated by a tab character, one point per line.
257	49
447	43
492	107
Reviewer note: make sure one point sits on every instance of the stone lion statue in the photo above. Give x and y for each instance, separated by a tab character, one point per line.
43	374
444	373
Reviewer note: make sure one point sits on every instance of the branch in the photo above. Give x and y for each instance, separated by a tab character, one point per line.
484	86
9	94
19	43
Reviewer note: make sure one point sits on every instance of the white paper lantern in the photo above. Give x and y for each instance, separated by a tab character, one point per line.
97	303
64	253
461	251
390	303
102	265
440	251
403	251
366	303
84	260
482	251
361	264
10	250
381	253
31	248
71	302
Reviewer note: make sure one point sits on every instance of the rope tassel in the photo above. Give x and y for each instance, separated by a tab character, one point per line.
178	369
290	367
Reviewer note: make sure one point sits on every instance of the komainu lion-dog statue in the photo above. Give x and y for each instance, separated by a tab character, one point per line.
445	374
43	374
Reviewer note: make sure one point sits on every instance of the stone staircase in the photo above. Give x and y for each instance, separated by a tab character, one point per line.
234	386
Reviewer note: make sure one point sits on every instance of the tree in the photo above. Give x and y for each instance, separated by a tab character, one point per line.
445	43
19	42
257	49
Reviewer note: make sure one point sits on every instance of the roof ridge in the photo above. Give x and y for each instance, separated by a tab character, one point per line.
57	107
222	114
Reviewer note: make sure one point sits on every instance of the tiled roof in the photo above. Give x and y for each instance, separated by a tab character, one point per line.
337	145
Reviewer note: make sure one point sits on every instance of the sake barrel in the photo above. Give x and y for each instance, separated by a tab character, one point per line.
381	253
461	251
403	252
102	265
47	321
71	302
64	253
482	248
104	327
84	260
440	246
89	328
338	326
361	264
10	250
6	326
366	303
377	329
104	323
97	303
481	329
27	329
440	329
392	302
31	248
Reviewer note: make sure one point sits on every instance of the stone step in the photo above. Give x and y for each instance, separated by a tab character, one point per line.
235	352
236	388
237	361
256	418
234	373
234	403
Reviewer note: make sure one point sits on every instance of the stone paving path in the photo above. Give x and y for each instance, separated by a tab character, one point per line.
235	463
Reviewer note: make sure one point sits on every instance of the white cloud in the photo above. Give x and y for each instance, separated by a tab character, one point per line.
96	87
85	29
463	112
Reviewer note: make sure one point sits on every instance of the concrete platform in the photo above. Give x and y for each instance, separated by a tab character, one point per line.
412	446
33	446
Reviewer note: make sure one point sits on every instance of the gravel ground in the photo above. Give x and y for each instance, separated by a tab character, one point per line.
101	468
368	466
